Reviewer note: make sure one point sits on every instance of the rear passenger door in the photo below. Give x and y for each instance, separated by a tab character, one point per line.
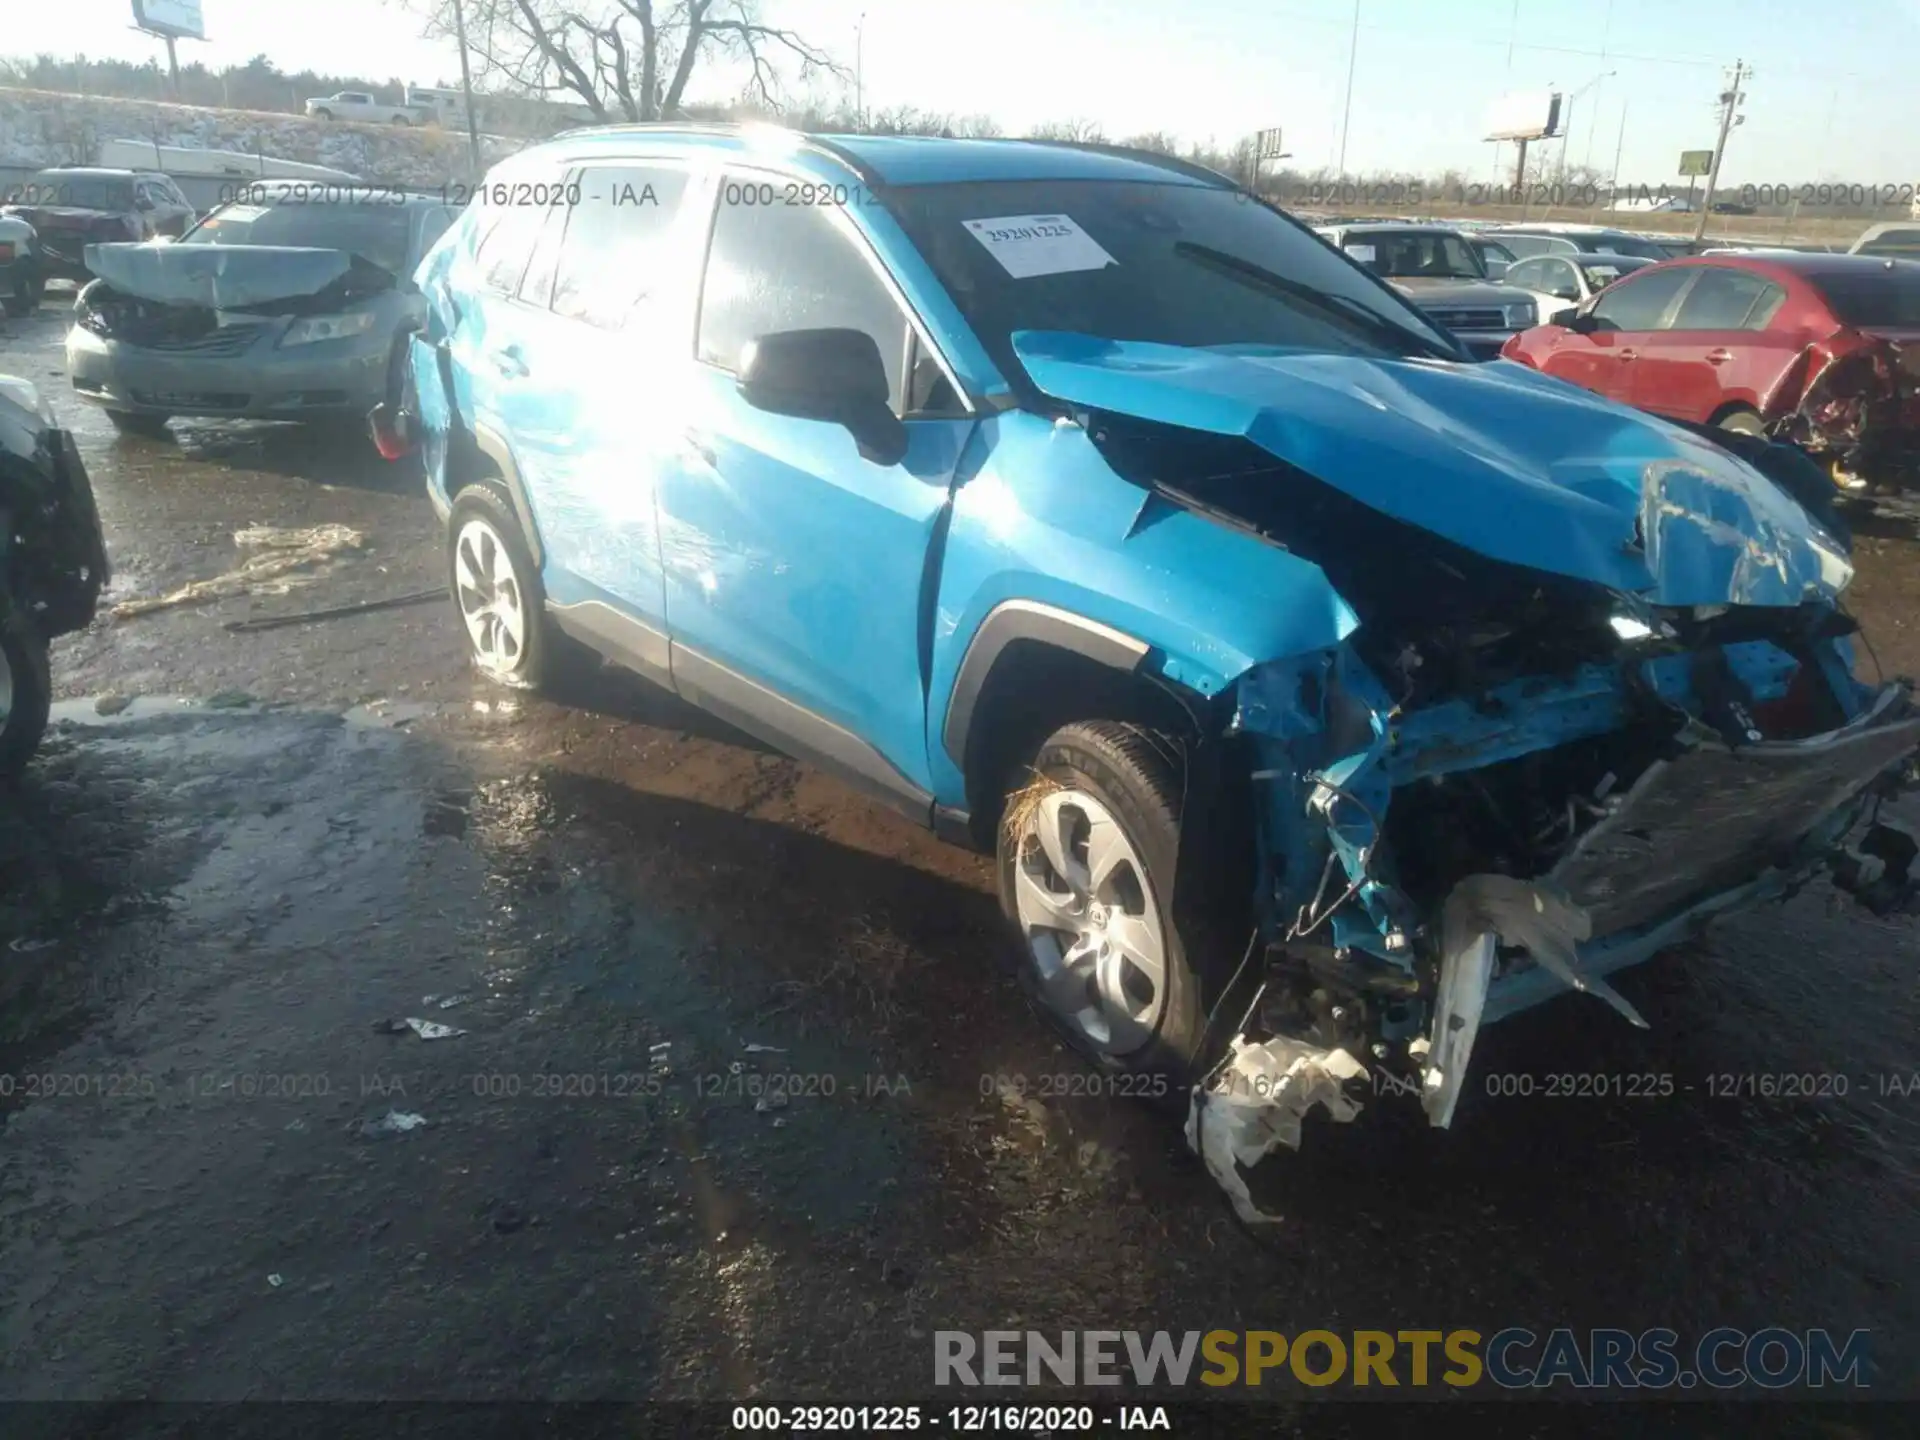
501	320
608	347
796	568
1715	350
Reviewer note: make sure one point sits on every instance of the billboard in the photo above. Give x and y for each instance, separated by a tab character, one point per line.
1524	115
170	17
1696	162
1268	146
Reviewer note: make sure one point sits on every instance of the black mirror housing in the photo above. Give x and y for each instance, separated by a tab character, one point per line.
835	375
1572	319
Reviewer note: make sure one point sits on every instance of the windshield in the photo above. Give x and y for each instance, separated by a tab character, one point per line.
377	231
83	192
1170	264
1627	245
1417	256
1889	296
1602	273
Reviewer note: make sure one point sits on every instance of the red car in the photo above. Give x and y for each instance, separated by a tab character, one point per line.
1823	350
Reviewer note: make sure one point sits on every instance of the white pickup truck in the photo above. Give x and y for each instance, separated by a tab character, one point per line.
359	105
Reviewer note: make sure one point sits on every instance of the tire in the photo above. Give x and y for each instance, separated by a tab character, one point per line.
26	690
129	423
1089	774
323	115
26	298
484	543
1742	422
402	120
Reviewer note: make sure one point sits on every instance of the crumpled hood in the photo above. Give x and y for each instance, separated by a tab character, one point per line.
1495	457
227	277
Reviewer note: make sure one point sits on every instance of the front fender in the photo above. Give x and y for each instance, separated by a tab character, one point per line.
1040	518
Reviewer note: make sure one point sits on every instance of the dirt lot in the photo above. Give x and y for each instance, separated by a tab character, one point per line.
213	914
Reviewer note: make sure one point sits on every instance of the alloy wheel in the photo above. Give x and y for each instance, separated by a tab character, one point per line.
1087	913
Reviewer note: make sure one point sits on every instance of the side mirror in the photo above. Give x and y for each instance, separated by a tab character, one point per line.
1573	320
1496	269
831	375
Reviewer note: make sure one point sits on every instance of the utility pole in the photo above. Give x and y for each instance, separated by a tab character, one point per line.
860	72
466	91
1353	56
1619	147
173	67
1730	99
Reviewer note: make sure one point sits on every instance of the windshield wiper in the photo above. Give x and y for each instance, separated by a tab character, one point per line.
1344	306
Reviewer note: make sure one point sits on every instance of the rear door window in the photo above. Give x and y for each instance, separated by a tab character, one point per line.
508	245
791	267
1729	300
1639	301
613	256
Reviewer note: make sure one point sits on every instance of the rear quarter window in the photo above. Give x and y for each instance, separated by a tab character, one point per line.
1875	298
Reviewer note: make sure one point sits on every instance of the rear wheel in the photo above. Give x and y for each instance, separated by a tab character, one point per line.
28	290
323	114
1088	851
26	691
129	423
496	588
1742	422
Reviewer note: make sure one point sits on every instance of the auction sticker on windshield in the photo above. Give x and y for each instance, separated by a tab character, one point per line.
1028	245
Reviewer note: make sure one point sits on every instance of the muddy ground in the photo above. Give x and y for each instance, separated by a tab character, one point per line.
211	912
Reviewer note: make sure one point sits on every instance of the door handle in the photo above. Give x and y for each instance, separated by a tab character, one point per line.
509	361
1719	357
1628	354
699	446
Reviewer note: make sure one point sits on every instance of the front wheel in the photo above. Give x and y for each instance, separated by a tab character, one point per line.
26	297
496	588
26	691
1088	850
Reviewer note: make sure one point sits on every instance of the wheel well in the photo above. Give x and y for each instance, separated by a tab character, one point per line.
1034	689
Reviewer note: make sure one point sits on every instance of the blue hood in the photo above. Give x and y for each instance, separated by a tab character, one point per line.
1495	457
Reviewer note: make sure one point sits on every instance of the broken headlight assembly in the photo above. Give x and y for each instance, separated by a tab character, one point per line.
316	328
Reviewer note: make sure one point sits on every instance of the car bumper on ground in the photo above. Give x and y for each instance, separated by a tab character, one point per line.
264	382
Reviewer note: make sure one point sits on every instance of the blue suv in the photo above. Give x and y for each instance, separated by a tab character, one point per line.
1323	692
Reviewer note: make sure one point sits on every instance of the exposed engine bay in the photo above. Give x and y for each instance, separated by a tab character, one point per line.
1506	783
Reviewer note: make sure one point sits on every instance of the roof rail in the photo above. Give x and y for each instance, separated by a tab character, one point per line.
733	128
1192	169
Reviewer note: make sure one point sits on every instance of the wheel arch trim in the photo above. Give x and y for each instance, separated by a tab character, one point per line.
1015	620
493	445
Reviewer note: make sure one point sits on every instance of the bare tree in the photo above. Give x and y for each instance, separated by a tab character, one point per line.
626	59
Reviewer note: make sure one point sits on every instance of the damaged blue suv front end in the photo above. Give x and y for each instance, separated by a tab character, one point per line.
1598	689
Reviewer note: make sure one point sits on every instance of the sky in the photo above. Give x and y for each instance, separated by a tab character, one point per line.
1827	100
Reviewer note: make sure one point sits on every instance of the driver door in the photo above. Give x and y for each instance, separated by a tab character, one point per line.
794	567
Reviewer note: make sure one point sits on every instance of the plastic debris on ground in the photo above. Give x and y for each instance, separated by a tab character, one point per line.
1253	1104
753	1049
394	1122
282	559
772	1100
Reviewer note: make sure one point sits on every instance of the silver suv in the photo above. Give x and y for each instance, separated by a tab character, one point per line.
1440	270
